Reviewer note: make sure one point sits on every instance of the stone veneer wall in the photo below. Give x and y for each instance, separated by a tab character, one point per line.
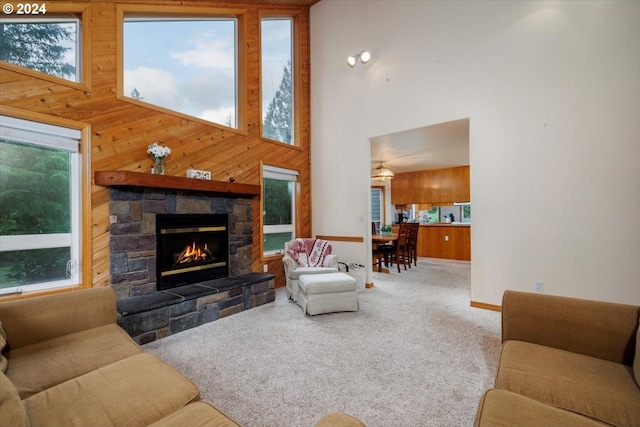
133	232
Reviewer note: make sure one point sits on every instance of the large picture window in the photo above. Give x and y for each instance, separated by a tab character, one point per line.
49	44
187	65
277	79
279	208
39	206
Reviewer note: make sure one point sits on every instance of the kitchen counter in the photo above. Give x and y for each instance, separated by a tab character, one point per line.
445	240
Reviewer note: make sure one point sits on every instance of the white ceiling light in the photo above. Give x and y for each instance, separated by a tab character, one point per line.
381	174
364	56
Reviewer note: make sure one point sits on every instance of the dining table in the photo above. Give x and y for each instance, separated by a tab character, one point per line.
383	238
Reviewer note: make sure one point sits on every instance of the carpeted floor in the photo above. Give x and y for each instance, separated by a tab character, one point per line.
415	354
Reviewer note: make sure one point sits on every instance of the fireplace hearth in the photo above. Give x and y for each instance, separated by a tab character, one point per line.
191	248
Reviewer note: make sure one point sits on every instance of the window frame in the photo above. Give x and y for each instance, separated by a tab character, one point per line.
82	13
272	172
295	75
81	210
186	12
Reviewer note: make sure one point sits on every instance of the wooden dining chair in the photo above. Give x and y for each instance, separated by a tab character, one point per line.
414	228
401	255
381	252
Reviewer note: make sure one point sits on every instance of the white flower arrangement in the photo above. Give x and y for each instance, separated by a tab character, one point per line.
158	151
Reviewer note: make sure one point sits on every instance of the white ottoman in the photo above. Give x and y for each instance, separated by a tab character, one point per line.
327	293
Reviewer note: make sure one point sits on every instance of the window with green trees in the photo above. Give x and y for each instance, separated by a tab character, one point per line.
279	208
49	44
39	206
277	79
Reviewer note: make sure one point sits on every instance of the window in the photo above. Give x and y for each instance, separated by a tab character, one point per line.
187	65
377	201
466	213
39	206
277	79
278	208
49	44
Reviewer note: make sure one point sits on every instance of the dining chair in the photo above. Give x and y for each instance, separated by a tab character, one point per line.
414	228
382	253
401	255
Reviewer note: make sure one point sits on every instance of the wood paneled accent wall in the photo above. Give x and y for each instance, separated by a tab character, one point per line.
438	186
121	130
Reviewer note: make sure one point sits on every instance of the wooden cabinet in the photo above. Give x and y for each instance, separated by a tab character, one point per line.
440	186
445	241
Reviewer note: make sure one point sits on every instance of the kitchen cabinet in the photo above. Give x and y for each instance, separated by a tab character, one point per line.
445	241
439	186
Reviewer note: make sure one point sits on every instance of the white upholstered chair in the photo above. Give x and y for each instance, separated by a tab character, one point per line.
306	256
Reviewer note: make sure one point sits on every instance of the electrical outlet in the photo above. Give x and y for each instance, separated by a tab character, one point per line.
538	286
446	238
265	268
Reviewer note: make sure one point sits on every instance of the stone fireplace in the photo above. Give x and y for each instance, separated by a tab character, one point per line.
133	245
154	222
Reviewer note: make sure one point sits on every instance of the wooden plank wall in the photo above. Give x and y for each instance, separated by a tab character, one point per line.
121	130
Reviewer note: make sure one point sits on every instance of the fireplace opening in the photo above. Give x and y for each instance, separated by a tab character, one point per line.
191	248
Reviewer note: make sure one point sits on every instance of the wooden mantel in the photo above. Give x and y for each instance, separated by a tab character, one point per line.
139	179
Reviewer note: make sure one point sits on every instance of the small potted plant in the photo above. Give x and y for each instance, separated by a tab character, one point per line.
386	229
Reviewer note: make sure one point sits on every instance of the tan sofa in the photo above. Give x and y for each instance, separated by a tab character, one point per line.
66	362
565	362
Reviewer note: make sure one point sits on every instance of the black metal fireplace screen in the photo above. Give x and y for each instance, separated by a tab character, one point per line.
191	248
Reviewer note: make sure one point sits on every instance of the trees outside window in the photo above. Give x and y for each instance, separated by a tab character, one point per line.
39	206
278	208
49	45
277	80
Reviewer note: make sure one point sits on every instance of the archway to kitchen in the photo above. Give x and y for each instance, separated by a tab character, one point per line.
431	185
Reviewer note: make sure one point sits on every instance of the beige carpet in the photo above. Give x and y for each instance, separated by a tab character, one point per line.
416	354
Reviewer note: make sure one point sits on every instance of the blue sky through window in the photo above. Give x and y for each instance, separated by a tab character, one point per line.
189	66
184	65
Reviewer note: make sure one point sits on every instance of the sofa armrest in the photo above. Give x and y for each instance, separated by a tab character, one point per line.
289	264
331	261
31	320
594	328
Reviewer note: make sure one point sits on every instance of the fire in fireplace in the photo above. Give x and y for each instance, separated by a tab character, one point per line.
191	248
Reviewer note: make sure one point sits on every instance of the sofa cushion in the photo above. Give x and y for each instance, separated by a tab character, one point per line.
597	388
501	408
132	392
3	344
12	412
200	414
295	274
339	419
36	367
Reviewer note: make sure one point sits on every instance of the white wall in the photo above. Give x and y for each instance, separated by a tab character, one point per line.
552	90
